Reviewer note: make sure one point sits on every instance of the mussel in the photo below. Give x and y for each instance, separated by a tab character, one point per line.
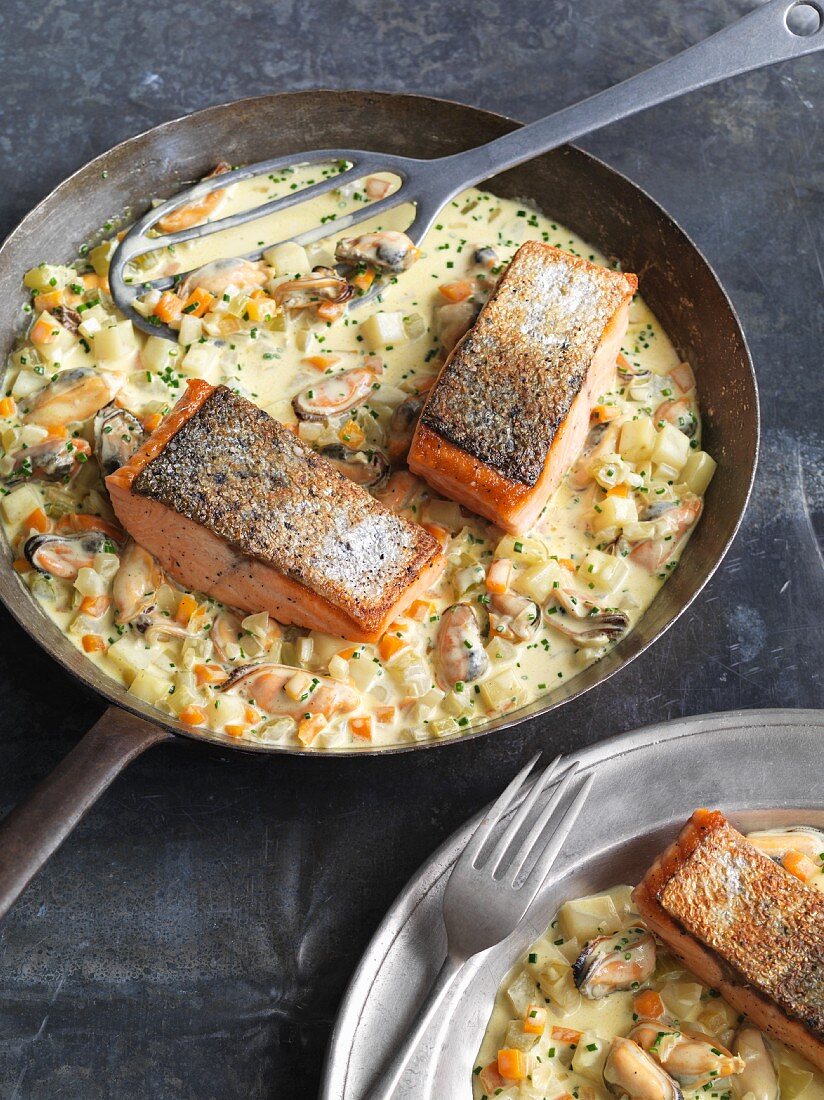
51	460
607	964
759	1077
309	291
586	623
73	396
630	1071
797	838
264	684
513	617
486	256
135	586
454	320
691	1057
460	655
64	555
402	426
369	468
334	394
679	413
216	277
117	435
386	250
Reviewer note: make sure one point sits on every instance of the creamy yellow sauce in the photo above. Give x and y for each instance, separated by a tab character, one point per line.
574	1065
270	360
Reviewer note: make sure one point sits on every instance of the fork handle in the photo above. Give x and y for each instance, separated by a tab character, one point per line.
385	1085
762	37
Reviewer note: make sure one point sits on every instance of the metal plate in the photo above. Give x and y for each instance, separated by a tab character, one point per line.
753	765
582	192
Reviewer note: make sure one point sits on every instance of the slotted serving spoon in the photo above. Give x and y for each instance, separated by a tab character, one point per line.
776	31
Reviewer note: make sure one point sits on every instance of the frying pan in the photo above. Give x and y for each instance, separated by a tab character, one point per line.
581	192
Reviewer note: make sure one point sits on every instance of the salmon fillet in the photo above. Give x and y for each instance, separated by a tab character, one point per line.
744	925
510	410
232	504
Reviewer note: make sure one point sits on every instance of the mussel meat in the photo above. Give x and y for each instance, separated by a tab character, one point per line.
691	1057
117	435
460	655
607	964
367	468
514	617
630	1071
64	555
73	396
334	394
386	250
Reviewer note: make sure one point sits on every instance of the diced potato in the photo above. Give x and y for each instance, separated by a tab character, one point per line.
622	898
59	339
131	655
49	277
586	918
26	383
157	354
637	440
793	1081
523	992
364	672
182	697
538	581
606	571
20	503
32	434
502	692
225	708
201	361
114	342
589	1057
100	257
681	998
191	329
90	583
522	550
444	727
517	1038
288	259
445	513
150	685
464	579
559	986
698	472
382	329
671	447
614	512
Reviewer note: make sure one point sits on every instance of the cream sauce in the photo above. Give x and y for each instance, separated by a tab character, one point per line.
271	360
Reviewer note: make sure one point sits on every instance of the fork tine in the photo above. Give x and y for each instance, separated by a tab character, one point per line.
519	859
495	813
513	828
535	879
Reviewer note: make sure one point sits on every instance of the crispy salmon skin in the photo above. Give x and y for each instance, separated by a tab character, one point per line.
744	925
232	504
510	410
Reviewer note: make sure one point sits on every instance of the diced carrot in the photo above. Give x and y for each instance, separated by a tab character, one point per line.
60	431
185	609
534	1019
389	645
93	643
49	300
309	728
192	716
169	307
397	627
420	610
199	302
251	715
567	563
349	652
95	606
7	407
234	729
321	362
566	1034
331	311
437	532
376	188
75	522
490	1080
90	281
458	291
209	674
351	435
38	520
621	490
649	1005
512	1064
44	330
604	413
261	308
363	279
361	727
499	575
20	565
152	421
799	865
384	715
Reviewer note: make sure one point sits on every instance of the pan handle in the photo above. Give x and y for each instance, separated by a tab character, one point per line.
36	828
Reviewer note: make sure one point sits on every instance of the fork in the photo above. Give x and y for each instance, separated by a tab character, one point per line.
775	31
493	884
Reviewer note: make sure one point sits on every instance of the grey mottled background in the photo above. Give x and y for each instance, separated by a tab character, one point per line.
193	938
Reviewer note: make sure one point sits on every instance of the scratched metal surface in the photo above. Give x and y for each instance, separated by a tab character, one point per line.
195	935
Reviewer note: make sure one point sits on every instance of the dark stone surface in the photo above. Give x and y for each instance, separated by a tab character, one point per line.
194	936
